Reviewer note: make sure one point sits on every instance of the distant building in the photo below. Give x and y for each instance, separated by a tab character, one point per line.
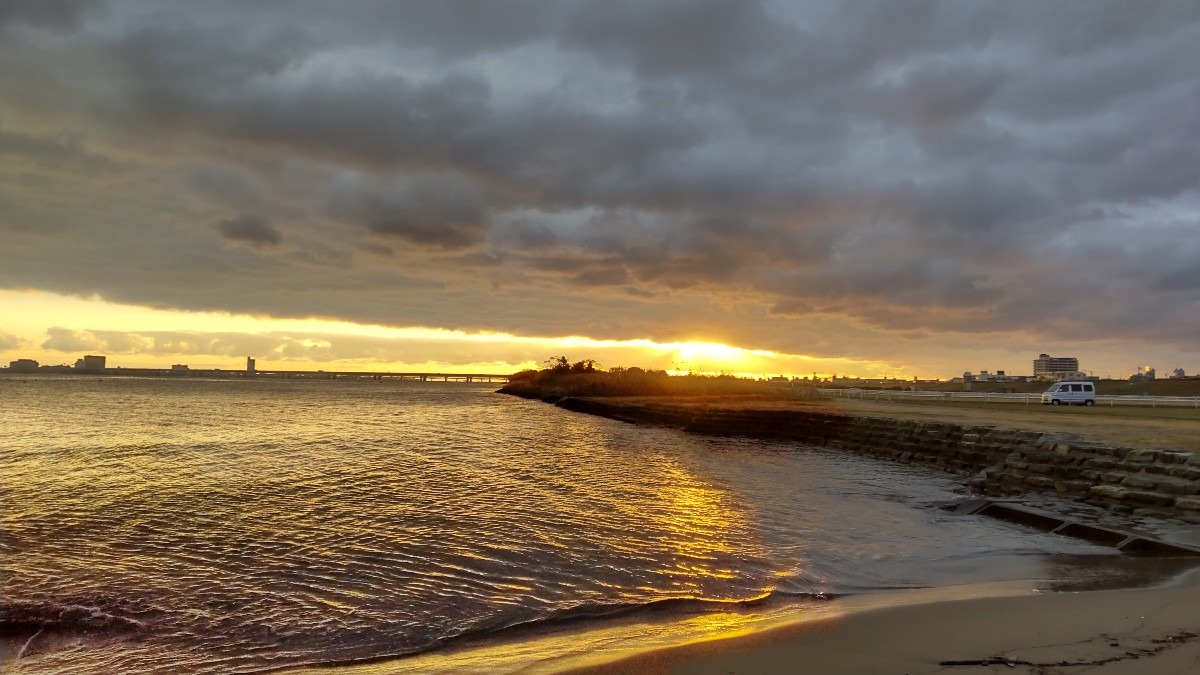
91	363
180	368
1045	365
985	376
1073	375
1143	373
23	366
1178	374
249	365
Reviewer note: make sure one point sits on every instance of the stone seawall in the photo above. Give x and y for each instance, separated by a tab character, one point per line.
998	461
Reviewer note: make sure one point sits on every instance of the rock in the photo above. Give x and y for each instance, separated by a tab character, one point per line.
1148	498
1188	503
1142	456
1140	482
1112	492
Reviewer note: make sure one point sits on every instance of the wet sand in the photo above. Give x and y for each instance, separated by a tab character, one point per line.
1155	630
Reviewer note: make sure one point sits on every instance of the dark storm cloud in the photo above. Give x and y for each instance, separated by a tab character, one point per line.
433	211
923	166
252	229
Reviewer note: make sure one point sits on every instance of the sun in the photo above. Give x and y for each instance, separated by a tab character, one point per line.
711	357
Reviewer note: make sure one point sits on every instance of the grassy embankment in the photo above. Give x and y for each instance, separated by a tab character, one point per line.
1130	426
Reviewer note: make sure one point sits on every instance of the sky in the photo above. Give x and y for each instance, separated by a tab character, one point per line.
906	189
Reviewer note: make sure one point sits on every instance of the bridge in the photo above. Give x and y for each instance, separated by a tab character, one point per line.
370	375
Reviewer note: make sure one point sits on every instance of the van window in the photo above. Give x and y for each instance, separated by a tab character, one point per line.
1088	387
1077	387
1059	387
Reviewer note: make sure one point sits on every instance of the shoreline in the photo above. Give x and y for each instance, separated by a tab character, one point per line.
1114	632
986	627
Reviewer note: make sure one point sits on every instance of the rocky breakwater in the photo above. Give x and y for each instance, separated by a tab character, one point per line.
997	461
1162	483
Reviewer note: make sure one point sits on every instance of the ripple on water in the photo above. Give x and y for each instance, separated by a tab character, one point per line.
224	526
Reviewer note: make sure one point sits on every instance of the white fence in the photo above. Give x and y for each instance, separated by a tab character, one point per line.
1109	400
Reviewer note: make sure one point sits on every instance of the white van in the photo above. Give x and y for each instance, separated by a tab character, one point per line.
1070	393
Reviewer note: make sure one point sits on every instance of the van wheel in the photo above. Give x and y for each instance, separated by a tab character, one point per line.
1089	402
1054	402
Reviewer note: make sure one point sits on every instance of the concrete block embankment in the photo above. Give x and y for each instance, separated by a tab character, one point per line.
999	461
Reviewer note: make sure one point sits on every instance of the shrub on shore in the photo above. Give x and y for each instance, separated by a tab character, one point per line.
585	378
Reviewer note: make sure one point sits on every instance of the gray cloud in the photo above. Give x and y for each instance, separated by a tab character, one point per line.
252	229
223	185
62	152
8	341
62	15
686	167
66	340
706	38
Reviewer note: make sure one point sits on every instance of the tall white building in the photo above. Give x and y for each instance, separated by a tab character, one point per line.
1045	364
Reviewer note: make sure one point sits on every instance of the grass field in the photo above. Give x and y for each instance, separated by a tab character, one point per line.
1167	387
1173	428
1129	426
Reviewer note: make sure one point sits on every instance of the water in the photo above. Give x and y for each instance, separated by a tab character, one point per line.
238	526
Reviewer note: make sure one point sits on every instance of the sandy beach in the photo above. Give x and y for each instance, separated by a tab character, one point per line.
1155	630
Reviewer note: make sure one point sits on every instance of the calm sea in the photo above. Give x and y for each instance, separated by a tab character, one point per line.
153	525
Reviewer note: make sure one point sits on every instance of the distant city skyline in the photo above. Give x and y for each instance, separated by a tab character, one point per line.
762	187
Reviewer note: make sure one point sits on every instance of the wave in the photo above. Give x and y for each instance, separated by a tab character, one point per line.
580	614
20	618
600	610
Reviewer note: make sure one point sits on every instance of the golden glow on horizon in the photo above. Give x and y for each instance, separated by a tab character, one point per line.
708	351
311	343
